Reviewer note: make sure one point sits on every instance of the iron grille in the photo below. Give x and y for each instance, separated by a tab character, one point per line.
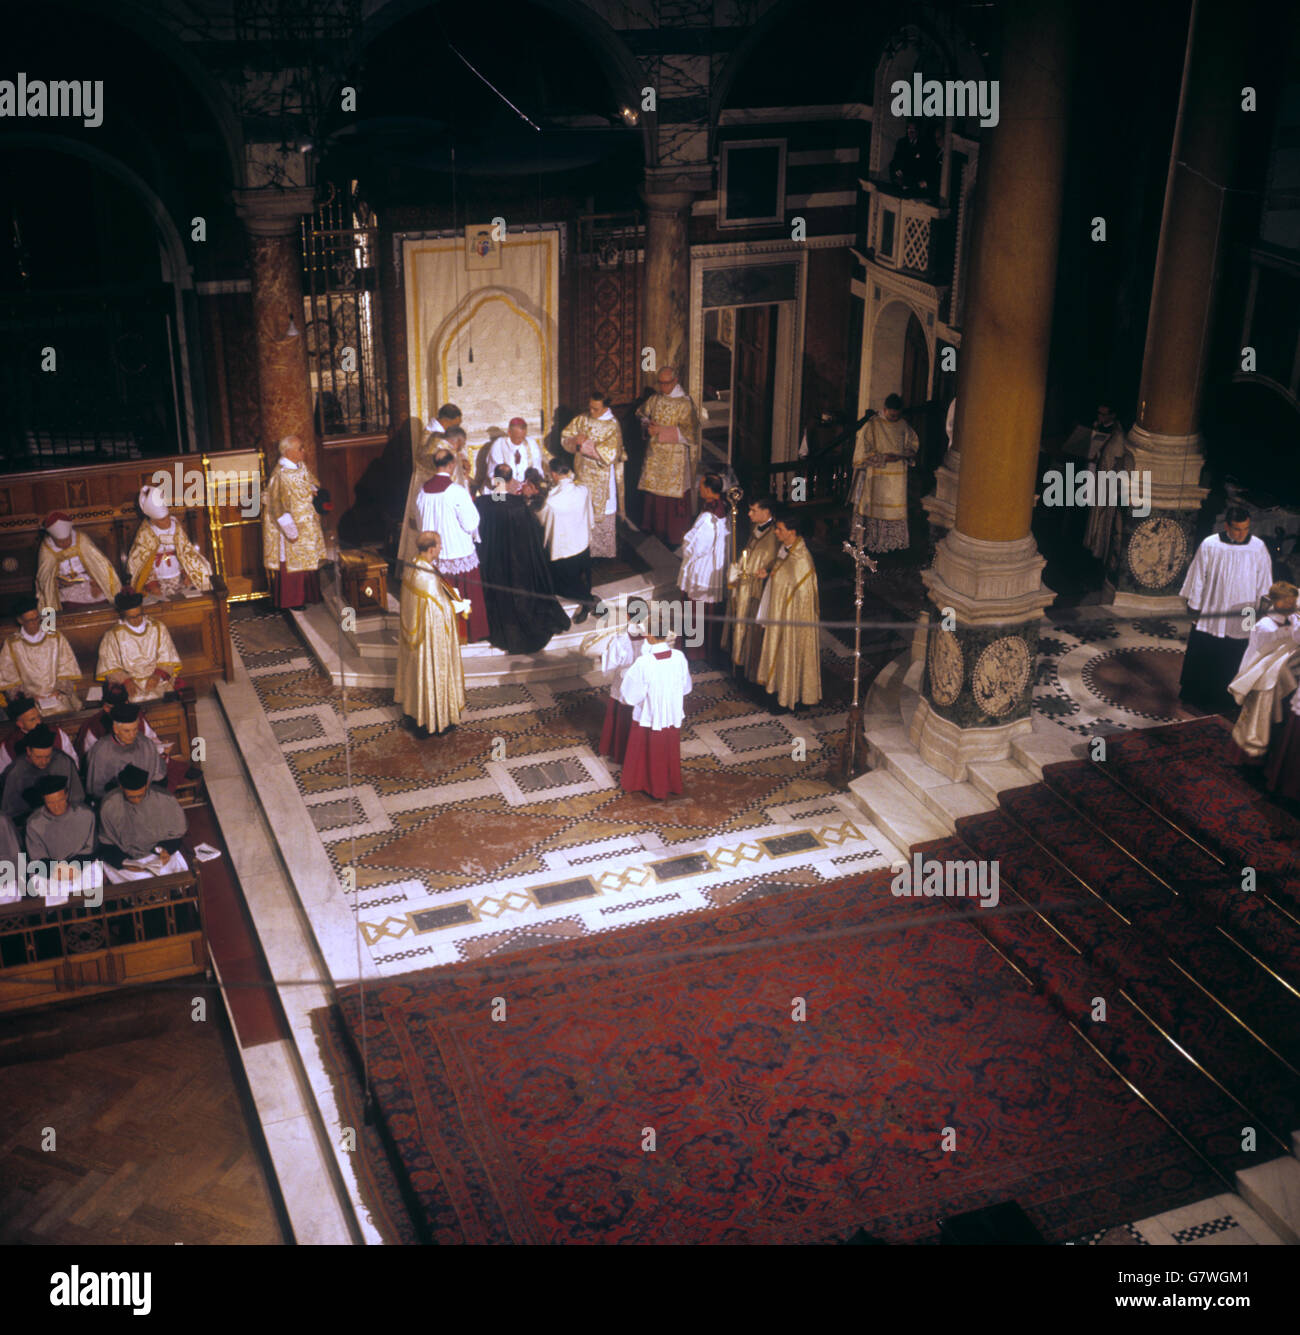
345	356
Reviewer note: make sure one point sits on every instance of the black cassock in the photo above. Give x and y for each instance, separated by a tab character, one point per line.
517	588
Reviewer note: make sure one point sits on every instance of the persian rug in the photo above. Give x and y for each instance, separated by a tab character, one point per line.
786	1070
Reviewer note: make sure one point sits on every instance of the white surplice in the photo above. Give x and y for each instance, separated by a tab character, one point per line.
1268	675
704	559
655	688
1223	579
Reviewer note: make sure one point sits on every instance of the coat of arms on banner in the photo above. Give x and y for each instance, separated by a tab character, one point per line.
482	249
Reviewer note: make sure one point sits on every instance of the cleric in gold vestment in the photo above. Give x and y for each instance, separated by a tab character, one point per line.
791	667
672	459
885	451
595	440
745	588
293	545
430	685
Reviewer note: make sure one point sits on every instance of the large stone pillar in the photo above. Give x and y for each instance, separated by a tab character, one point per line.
666	313
1148	569
273	219
986	578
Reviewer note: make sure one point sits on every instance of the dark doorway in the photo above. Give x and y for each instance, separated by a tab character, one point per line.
752	395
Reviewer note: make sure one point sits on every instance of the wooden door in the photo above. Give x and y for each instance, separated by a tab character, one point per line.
753	385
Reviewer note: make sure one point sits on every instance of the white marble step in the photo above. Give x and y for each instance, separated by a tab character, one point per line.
1035	749
891	750
899	816
991	777
1272	1190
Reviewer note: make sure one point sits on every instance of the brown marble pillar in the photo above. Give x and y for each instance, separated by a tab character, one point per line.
986	579
666	311
273	220
1147	567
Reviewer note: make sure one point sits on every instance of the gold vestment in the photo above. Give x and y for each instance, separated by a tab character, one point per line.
290	492
123	653
670	468
791	666
430	684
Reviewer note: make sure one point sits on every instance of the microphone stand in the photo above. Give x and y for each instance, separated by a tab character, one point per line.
853	750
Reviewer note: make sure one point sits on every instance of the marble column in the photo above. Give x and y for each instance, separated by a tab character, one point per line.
273	219
986	579
1147	568
666	312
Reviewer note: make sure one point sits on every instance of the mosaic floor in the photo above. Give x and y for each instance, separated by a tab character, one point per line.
1098	673
510	831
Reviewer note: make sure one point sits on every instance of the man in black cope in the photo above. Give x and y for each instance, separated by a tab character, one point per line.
518	591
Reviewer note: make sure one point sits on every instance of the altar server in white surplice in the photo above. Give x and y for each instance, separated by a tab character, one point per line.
618	648
703	577
1268	676
655	686
1229	574
445	508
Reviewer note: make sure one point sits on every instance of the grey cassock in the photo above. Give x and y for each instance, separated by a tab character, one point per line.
108	758
57	838
138	828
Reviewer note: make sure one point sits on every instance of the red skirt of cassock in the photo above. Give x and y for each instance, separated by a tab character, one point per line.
469	584
295	588
618	726
667	517
653	763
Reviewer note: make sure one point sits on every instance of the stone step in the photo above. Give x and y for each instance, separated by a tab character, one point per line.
890	750
991	777
902	819
1034	750
1272	1190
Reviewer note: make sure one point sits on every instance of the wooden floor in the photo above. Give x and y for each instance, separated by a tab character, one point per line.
152	1145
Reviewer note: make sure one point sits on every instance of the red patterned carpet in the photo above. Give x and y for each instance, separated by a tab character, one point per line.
535	1128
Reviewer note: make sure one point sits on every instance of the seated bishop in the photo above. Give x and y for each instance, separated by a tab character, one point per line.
140	829
70	570
25	714
163	560
125	744
39	663
138	652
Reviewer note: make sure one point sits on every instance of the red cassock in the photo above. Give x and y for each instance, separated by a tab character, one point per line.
617	729
294	588
653	763
469	584
667	517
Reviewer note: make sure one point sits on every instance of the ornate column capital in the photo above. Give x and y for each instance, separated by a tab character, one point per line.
270	212
988	582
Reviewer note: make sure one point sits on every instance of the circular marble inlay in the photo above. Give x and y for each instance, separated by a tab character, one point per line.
1142	681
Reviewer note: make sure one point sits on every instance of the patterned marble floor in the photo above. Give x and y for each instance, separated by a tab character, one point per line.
1098	673
510	831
